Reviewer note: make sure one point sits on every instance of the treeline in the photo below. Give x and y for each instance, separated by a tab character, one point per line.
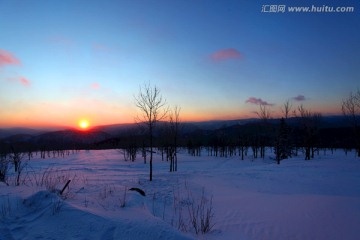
222	142
254	139
285	140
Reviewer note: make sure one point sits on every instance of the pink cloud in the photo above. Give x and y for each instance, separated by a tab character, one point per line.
258	101
95	86
7	58
225	54
23	80
299	98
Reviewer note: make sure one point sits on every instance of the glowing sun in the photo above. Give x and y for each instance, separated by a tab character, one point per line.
83	124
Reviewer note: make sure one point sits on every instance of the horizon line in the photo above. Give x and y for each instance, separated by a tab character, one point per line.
133	123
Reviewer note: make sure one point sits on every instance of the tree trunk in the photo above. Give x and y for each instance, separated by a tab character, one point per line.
151	152
175	160
171	161
307	153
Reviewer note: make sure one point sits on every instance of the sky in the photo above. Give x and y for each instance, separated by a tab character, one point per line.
63	61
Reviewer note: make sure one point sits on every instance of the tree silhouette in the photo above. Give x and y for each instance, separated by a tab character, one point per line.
264	128
309	123
282	147
152	107
174	127
351	108
286	109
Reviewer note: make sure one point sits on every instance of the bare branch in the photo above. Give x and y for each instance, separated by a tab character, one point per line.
264	112
286	109
153	109
351	107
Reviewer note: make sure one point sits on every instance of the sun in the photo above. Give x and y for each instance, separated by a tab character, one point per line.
84	124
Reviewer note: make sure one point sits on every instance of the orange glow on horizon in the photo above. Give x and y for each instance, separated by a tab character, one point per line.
46	117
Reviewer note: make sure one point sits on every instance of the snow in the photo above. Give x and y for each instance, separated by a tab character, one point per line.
250	199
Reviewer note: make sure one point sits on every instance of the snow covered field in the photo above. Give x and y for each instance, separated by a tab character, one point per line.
250	199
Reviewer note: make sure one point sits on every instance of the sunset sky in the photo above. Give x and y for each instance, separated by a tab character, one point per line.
63	61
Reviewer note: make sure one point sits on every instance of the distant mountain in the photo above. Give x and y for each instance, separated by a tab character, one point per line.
117	129
216	124
72	137
55	140
19	138
64	138
133	128
7	132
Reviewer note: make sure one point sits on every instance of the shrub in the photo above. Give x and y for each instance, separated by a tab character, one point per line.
4	166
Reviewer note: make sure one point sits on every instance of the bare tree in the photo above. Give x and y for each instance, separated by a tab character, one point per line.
264	115
4	163
286	109
282	147
243	144
310	123
17	158
152	107
351	108
174	120
283	140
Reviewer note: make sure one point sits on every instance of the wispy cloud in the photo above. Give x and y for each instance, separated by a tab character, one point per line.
225	54
299	98
95	85
6	58
23	80
258	101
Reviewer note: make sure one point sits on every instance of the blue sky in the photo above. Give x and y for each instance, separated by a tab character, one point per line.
67	60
